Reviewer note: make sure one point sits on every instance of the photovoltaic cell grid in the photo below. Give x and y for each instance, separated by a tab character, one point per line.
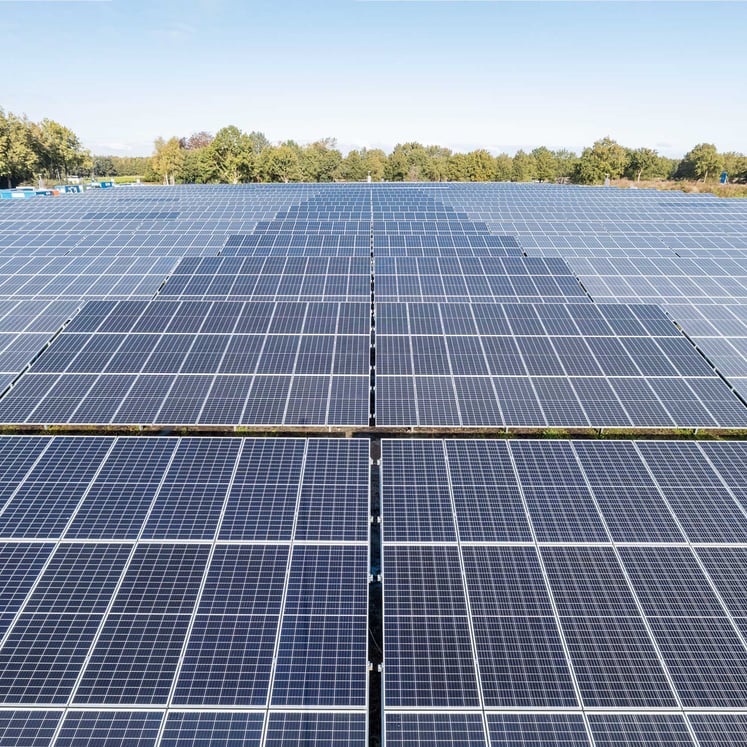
584	365
706	296
153	222
575	221
75	278
26	328
181	362
271	279
686	253
564	592
485	279
140	575
325	224
445	243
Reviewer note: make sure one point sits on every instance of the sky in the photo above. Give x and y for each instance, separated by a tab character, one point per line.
465	74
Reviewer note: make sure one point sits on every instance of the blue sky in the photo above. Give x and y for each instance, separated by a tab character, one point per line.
494	74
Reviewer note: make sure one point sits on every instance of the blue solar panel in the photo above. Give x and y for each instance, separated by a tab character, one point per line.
262	502
28	728
79	578
334	492
698	498
322	649
334	729
191	498
17	457
114	729
427	649
522	663
415	492
134	660
162	579
614	659
651	730
245	580
119	498
229	656
447	729
193	729
486	492
715	729
702	650
43	655
538	729
47	499
20	564
228	661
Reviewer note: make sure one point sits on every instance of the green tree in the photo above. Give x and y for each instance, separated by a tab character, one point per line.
735	164
705	160
408	162
504	166
458	167
375	161
280	164
258	142
522	167
130	165
18	150
436	167
480	166
198	167
231	156
168	159
565	163
59	150
352	168
606	158
642	162
397	167
545	168
320	161
667	167
104	166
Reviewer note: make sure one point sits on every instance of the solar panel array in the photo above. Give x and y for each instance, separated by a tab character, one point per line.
684	252
224	363
707	296
183	591
168	591
514	346
543	365
565	593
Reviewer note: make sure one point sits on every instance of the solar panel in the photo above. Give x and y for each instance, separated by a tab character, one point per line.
512	370
197	590
167	373
517	615
141	607
712	729
133	729
651	729
28	728
196	728
538	729
450	729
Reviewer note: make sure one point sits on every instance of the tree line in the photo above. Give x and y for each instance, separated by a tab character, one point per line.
233	156
39	150
31	151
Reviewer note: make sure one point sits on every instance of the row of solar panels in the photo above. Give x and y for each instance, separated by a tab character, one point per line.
531	586
167	591
229	363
